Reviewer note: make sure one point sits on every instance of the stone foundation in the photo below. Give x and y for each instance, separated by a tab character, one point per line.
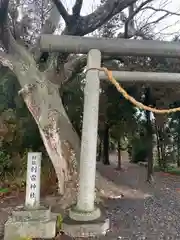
77	215
77	229
32	223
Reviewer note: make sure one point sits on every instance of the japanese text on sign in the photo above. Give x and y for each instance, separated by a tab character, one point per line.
33	178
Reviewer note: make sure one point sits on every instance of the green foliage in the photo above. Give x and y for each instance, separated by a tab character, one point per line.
24	238
20	130
73	99
139	152
120	113
4	190
138	147
173	170
170	169
5	162
59	222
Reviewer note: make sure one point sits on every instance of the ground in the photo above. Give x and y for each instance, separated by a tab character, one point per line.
145	212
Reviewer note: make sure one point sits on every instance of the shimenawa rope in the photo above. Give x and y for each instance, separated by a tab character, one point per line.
130	98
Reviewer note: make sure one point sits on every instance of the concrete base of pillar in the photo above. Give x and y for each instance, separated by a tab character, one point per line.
81	229
33	223
78	215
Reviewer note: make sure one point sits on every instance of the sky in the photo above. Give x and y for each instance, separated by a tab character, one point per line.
168	27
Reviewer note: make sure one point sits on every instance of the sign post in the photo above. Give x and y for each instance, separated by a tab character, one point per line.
33	180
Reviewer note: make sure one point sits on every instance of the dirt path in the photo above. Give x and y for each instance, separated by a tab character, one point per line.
145	212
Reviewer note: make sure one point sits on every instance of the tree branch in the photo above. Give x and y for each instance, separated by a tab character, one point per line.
101	15
154	22
130	22
161	10
77	7
138	9
62	10
84	25
8	41
132	32
131	16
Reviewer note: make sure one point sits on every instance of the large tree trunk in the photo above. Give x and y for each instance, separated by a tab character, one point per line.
55	128
106	145
43	101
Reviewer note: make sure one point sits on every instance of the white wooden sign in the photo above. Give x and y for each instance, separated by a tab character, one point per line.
33	180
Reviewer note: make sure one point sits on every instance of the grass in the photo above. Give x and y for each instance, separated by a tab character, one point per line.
174	170
170	169
4	190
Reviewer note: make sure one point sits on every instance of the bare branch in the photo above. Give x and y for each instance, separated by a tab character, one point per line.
77	7
130	30
167	27
155	21
101	15
162	10
139	8
62	10
131	16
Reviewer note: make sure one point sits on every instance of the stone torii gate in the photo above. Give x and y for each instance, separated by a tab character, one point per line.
85	209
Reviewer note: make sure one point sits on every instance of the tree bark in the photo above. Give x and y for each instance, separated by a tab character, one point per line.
178	151
149	136
119	166
150	150
160	121
55	129
99	151
106	145
162	148
158	147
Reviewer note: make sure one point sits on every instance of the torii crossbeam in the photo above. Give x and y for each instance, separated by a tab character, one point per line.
115	47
